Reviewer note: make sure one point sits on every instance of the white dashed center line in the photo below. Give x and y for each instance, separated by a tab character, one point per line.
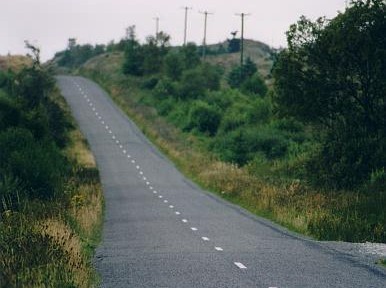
240	265
217	248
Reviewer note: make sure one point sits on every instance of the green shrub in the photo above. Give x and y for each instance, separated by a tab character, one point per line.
254	85
40	166
9	113
165	88
204	118
191	84
173	66
241	145
150	83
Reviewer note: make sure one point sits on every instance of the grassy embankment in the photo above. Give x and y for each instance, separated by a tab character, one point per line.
47	240
260	188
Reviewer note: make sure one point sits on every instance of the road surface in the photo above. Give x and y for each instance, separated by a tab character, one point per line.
161	230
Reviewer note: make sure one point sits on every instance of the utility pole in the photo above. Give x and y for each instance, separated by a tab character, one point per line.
186	22
242	38
206	13
156	27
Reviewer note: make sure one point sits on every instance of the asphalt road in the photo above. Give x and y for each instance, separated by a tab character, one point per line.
161	230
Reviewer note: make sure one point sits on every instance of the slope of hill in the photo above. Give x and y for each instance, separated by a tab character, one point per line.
259	53
14	62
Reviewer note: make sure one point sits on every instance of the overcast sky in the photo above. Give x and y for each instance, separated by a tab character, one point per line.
49	23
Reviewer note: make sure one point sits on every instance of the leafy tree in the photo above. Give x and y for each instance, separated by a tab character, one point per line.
333	75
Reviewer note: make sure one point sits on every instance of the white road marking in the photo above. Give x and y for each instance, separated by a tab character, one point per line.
140	172
137	167
103	122
147	183
184	220
240	265
178	213
205	238
155	192
218	248
117	141
193	228
133	161
107	127
151	188
128	156
120	146
110	132
93	109
96	113
166	201
171	206
124	151
160	196
113	137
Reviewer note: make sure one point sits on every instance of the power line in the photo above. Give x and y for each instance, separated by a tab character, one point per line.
206	13
242	37
186	21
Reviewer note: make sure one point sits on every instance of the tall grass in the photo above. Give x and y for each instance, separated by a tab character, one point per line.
326	215
50	242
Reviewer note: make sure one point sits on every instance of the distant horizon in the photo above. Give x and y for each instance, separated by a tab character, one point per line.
50	23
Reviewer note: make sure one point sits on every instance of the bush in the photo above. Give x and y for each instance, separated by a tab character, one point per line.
9	113
204	118
191	84
39	165
254	85
165	88
150	83
241	145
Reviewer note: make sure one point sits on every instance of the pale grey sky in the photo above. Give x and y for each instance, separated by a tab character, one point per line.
49	23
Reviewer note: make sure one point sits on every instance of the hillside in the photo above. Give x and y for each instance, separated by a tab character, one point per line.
14	62
259	52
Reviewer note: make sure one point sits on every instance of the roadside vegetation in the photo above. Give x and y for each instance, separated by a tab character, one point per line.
50	195
307	151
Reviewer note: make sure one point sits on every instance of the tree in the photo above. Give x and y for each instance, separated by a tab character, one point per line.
133	54
333	75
